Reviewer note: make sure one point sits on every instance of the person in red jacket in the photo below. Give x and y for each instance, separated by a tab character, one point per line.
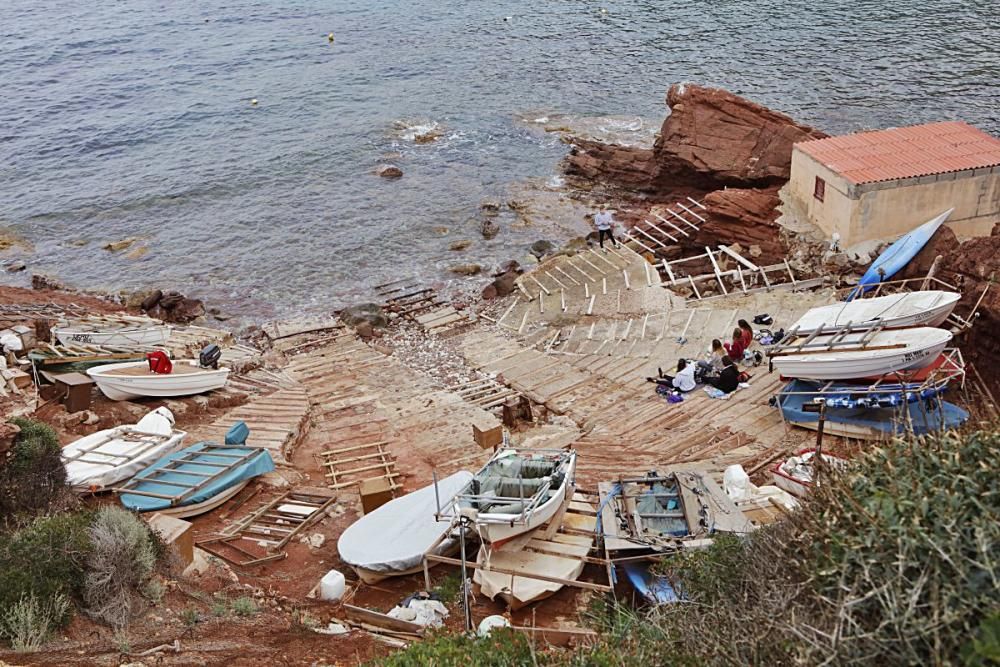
736	348
747	333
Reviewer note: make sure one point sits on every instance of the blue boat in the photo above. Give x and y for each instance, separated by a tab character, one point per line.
898	255
198	478
852	413
655	589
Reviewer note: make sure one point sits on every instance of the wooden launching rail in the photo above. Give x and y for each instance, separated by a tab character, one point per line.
188	489
272	525
654	237
486	393
746	278
350	466
835	338
148	441
421	305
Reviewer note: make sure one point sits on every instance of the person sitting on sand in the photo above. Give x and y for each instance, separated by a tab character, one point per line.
713	365
604	221
683	380
728	379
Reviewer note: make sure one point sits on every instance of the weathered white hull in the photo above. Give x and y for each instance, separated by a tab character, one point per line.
896	311
497	529
126	387
183	511
130	338
103	467
887	352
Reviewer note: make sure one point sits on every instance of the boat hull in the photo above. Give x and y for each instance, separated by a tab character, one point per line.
898	255
897	311
888	352
139	337
99	471
124	388
183	511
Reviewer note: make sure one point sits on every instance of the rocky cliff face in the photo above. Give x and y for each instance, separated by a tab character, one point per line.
711	139
715	146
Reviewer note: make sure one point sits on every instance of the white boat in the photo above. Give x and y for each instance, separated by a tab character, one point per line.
860	354
133	379
796	474
113	334
392	540
554	554
517	491
928	308
103	459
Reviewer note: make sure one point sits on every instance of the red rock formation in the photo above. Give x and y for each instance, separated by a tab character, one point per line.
712	138
746	217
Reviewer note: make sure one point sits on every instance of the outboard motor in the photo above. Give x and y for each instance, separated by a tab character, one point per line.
209	357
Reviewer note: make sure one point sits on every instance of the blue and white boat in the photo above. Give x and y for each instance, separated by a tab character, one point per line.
898	255
198	478
853	411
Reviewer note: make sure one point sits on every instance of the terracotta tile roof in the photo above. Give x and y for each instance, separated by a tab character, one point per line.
906	152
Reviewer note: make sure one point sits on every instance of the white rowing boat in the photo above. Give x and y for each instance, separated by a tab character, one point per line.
103	459
133	379
124	335
517	491
860	354
928	308
392	540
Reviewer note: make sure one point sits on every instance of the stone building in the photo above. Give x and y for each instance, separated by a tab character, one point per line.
878	185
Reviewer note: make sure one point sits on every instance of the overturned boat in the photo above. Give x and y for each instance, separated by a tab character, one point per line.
197	479
850	354
516	491
108	457
392	540
159	377
120	333
928	308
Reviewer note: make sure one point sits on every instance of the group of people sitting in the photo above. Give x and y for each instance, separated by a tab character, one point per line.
718	370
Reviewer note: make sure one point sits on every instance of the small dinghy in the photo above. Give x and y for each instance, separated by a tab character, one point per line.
556	552
898	255
125	333
796	474
516	491
107	457
197	479
852	412
858	354
392	540
928	308
159	377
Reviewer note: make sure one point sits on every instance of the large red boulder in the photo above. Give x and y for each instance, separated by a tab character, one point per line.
745	217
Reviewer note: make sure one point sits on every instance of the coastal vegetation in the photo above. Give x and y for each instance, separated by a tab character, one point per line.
894	562
57	557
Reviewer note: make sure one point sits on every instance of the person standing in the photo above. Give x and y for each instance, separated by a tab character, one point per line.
604	221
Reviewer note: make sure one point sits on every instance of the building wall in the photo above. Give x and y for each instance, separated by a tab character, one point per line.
888	209
892	208
833	214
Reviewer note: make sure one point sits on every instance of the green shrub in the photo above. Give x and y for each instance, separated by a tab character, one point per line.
503	648
44	559
33	474
244	606
28	623
119	566
190	617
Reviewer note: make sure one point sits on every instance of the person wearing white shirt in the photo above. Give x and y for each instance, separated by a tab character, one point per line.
604	222
682	380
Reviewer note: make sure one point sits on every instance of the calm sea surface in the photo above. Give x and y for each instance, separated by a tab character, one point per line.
133	118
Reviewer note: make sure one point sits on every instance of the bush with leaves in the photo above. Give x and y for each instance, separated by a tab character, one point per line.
44	559
119	567
33	474
29	622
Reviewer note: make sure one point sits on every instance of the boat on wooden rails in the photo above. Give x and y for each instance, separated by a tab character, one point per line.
518	490
927	308
160	377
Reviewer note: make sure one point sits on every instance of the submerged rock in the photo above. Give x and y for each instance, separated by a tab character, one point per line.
466	269
489	229
40	281
502	286
370	313
389	171
115	246
15	267
542	248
